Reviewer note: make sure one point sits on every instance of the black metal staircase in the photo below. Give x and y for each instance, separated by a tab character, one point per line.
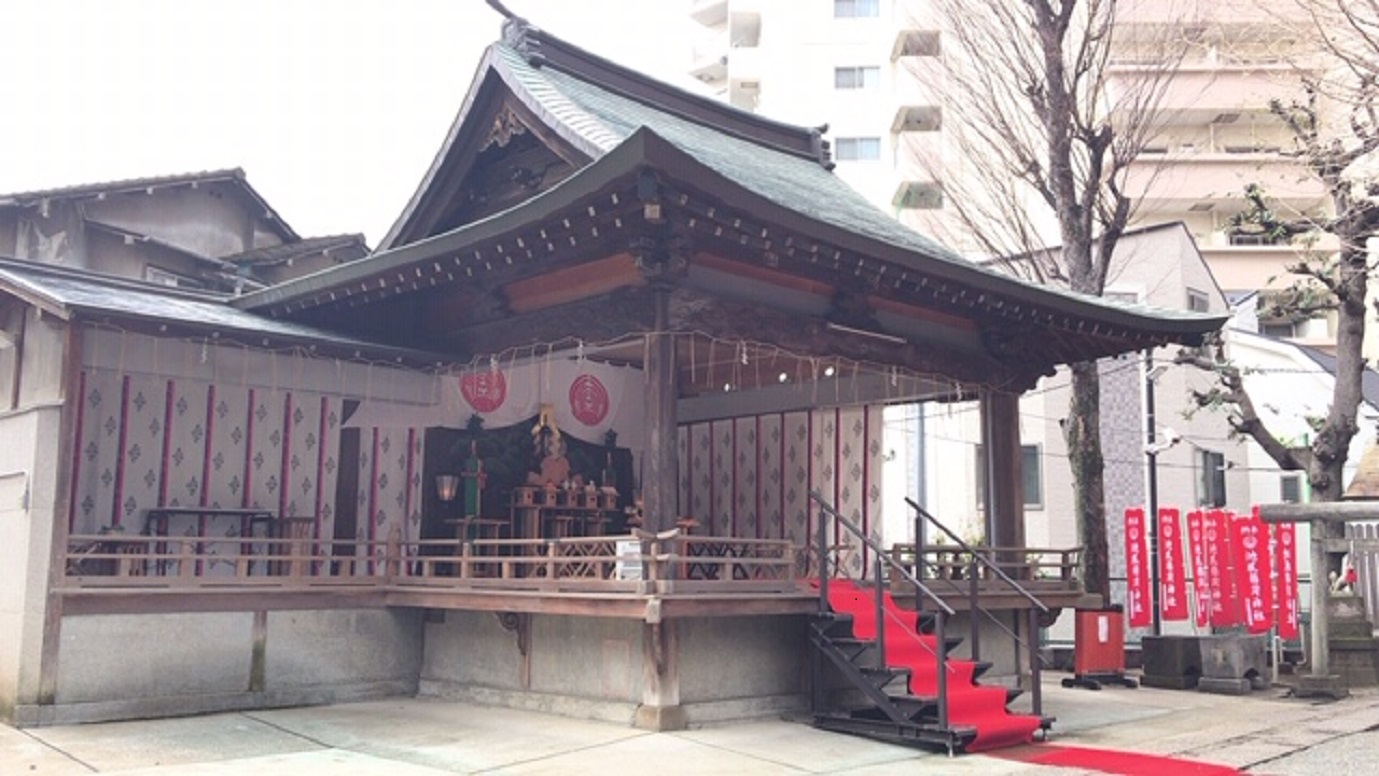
869	694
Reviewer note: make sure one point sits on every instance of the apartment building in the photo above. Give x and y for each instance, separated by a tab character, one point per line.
854	65
1217	136
869	69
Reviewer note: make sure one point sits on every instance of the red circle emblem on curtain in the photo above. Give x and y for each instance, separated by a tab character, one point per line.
485	391
588	400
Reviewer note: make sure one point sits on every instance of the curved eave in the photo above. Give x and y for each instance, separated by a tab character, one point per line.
906	270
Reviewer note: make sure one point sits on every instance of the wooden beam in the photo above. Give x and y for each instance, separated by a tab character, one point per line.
600	319
572	284
811	336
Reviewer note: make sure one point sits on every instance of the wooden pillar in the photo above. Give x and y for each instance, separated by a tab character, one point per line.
61	516
660	454
660	709
1005	491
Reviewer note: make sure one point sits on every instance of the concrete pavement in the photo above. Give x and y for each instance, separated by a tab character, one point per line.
1265	733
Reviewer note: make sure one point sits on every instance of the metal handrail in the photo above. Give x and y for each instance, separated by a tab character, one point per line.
876	548
940	643
978	557
1031	645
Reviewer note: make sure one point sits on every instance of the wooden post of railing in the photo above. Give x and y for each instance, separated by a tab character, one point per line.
550	559
296	567
1035	681
186	567
973	596
392	561
466	552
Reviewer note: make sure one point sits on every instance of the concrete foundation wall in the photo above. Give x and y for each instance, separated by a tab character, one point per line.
743	666
598	667
149	665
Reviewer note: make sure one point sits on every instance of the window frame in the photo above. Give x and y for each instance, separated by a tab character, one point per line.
1211	478
856	143
1027	451
859	74
848	9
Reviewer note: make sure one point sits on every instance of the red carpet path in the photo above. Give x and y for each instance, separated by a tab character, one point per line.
1112	761
969	704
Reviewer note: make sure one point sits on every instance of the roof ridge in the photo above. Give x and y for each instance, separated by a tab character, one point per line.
97	187
540	48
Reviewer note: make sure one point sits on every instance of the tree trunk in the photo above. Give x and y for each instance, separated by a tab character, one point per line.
1083	434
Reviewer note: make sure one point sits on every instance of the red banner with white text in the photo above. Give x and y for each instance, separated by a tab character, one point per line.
1172	576
1137	600
1225	610
1250	551
1286	549
1197	546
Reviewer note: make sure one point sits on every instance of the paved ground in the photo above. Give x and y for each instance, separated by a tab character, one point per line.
1264	733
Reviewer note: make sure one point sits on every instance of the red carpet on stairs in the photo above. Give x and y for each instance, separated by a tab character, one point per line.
969	704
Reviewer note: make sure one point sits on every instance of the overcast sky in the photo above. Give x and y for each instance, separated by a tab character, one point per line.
333	109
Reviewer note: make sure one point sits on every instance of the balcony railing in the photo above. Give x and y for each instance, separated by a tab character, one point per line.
638	563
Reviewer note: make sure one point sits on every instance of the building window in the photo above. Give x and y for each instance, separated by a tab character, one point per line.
1197	301
858	149
1284	330
1211	479
856	77
1290	488
164	278
1031	476
1032	472
854	9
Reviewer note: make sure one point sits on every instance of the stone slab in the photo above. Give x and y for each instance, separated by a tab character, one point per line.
1327	686
1224	686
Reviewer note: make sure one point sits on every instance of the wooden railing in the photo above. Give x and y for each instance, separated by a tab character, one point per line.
640	563
1034	567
